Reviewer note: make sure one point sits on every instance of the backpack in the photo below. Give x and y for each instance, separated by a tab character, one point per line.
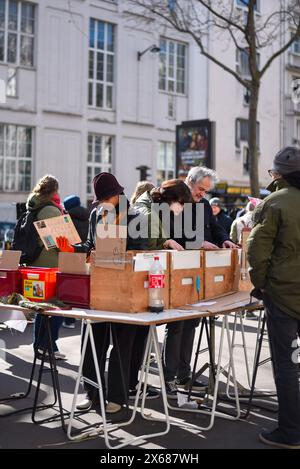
26	238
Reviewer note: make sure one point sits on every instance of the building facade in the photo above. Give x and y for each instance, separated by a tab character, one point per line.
87	90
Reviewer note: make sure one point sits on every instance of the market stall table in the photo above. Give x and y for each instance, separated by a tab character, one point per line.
223	308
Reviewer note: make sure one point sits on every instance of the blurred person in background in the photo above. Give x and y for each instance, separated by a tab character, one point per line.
245	221
220	217
141	187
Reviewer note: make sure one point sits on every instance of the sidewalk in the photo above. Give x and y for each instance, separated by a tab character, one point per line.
19	432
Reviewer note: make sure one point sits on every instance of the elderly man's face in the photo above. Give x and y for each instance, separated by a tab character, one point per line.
199	189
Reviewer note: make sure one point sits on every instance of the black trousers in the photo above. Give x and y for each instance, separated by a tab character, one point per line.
283	331
128	350
178	349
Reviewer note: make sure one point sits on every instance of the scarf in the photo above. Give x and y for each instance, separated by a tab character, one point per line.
55	199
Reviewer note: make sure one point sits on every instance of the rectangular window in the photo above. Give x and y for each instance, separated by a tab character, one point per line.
242	132
11	87
99	158
172	66
15	158
242	62
245	4
17	29
101	64
295	47
165	162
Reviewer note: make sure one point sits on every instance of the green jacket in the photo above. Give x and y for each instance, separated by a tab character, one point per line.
46	258
274	247
156	233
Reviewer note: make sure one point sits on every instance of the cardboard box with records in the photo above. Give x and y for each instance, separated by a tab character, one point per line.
186	277
119	278
221	272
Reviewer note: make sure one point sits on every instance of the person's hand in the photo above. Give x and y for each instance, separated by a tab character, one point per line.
171	244
229	245
209	246
64	245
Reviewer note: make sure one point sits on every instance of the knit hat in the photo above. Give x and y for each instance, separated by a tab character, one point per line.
287	161
105	186
71	201
216	201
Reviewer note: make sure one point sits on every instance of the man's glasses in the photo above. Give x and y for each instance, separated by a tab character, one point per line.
272	173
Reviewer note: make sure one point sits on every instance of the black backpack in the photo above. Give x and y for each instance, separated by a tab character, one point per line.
26	238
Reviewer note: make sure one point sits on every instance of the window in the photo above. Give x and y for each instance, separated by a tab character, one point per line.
15	158
295	47
171	107
17	32
245	3
242	62
172	66
101	64
99	157
242	132
165	162
11	87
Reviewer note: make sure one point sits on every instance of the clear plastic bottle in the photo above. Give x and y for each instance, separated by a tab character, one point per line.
156	286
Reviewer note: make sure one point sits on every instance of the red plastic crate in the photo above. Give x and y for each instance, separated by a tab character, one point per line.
10	282
74	289
39	283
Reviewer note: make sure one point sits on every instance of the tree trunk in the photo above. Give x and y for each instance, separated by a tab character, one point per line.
253	139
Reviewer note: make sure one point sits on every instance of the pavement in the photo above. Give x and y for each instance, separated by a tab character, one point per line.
18	431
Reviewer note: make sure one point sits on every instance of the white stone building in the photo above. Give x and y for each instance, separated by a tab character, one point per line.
79	101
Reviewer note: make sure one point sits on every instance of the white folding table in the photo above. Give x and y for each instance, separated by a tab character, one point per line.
152	320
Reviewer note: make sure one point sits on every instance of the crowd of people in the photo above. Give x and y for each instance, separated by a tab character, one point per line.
274	257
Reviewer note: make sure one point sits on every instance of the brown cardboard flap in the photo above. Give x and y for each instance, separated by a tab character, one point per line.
111	244
72	263
10	259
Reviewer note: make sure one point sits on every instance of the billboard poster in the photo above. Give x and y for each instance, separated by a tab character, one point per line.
194	146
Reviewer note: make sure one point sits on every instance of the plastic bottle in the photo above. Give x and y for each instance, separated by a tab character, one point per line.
156	286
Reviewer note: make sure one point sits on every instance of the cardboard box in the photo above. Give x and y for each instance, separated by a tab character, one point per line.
119	282
73	263
10	277
221	272
186	277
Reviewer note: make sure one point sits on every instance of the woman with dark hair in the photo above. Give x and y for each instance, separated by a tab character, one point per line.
175	193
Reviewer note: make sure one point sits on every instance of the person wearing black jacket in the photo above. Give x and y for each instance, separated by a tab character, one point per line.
219	214
179	336
79	214
130	339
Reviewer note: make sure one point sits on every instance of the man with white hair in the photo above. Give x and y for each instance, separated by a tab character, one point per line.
178	345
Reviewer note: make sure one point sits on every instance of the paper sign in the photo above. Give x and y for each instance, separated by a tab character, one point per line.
221	258
219	278
143	261
187	281
51	228
186	260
